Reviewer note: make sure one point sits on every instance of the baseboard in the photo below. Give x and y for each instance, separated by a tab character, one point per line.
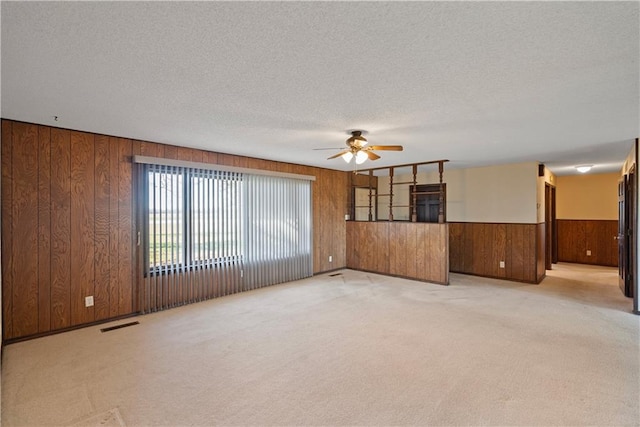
71	328
510	279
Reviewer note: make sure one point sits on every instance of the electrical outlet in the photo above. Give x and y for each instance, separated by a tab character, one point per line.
347	217
501	264
330	258
588	252
88	301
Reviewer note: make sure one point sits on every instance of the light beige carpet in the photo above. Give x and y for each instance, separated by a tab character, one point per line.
110	418
354	349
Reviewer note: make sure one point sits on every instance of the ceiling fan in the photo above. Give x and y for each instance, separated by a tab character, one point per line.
358	149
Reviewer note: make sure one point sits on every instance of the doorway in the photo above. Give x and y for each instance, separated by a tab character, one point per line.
551	233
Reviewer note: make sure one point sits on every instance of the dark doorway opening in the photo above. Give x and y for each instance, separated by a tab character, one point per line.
427	201
551	233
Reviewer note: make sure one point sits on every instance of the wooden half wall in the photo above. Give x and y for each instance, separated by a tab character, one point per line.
405	249
478	248
68	223
576	237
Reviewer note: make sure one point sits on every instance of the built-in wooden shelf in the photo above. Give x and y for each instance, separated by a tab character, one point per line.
366	179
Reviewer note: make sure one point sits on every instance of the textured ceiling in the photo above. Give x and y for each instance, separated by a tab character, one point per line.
475	82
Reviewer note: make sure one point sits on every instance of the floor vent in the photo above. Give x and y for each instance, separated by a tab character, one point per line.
124	325
335	274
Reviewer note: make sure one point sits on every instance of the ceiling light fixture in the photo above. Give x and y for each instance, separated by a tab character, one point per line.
584	168
361	156
357	149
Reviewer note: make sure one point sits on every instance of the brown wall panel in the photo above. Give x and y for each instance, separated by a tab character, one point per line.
150	149
398	265
499	250
25	229
60	229
329	207
515	258
478	248
576	237
125	223
438	242
455	245
210	157
529	252
541	252
185	154
376	246
44	229
411	244
102	188
82	226
7	230
423	264
317	207
381	254
171	152
114	234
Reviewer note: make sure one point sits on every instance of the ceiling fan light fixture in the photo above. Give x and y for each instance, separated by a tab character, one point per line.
347	156
584	168
361	157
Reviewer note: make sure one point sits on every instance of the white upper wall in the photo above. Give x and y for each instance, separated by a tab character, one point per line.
504	193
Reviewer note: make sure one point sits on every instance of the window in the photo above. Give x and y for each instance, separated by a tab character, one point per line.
166	218
255	230
194	217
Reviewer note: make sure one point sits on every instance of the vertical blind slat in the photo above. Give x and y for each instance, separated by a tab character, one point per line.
213	233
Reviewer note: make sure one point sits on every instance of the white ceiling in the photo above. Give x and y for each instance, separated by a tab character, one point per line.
475	82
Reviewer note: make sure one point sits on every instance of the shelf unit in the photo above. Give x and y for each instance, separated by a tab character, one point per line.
369	181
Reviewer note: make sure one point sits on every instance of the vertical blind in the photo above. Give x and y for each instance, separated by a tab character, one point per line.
210	233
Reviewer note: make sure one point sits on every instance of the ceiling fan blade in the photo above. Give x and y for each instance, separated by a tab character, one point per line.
372	155
337	155
386	147
332	148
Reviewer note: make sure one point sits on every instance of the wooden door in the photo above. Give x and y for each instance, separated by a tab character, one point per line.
625	276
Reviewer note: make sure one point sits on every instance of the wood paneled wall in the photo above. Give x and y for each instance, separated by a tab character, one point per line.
478	248
68	223
413	250
66	228
575	237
